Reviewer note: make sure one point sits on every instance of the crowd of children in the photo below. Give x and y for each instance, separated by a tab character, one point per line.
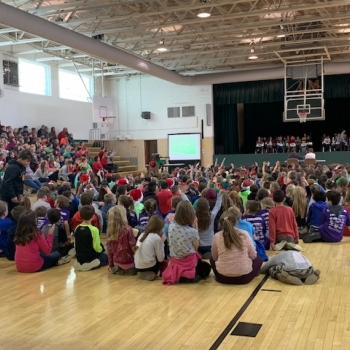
181	225
178	225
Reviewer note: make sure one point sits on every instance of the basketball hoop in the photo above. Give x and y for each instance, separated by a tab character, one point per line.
302	116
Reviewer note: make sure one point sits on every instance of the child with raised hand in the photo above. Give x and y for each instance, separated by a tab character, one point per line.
234	259
121	243
205	222
334	219
16	212
33	250
186	264
150	249
5	222
89	250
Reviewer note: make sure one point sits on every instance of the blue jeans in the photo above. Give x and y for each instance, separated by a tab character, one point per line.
43	179
33	184
49	260
103	259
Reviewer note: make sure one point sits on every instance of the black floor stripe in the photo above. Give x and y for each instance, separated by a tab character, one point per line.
226	331
271	290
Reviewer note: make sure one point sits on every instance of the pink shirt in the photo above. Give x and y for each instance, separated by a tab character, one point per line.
27	257
233	262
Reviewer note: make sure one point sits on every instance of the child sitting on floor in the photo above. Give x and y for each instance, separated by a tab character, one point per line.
89	250
186	264
16	212
5	222
109	202
315	214
334	220
54	216
121	243
258	222
33	250
291	267
234	259
40	213
283	228
41	200
150	249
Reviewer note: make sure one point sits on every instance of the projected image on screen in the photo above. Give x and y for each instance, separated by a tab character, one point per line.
184	146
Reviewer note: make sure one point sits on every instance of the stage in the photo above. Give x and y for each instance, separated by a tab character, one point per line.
249	159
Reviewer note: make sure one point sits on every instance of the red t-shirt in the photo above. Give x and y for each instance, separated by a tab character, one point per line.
96	167
77	220
163	197
282	222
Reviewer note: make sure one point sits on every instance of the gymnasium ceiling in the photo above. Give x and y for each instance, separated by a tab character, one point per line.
273	30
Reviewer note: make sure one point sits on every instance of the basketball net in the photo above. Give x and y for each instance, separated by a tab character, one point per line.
302	116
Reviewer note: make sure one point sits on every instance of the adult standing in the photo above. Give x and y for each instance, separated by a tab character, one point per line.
41	131
11	190
63	134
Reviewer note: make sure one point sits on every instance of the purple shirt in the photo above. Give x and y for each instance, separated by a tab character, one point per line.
258	223
65	216
264	213
41	222
334	219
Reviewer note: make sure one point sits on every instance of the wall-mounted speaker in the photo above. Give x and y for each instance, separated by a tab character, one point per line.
146	115
208	112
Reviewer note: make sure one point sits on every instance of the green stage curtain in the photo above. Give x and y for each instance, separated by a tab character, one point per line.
337	86
249	92
226	129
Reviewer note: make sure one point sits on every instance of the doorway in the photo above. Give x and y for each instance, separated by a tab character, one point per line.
151	146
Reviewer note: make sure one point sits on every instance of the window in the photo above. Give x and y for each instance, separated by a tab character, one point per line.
173	112
188	111
10	72
75	88
34	77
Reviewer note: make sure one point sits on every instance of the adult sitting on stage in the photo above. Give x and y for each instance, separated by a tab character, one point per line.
295	155
259	146
310	154
326	143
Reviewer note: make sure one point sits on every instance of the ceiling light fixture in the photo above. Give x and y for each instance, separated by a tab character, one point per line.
252	55
281	33
203	13
161	47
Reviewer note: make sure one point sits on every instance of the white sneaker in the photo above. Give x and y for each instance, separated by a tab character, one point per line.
91	265
72	253
293	246
279	246
64	260
77	266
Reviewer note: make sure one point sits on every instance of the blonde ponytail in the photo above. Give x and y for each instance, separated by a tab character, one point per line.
230	233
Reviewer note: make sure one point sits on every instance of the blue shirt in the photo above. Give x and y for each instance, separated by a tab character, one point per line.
247	226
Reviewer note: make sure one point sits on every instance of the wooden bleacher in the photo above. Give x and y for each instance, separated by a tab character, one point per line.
124	166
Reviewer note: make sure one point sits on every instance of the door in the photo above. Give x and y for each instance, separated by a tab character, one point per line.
151	146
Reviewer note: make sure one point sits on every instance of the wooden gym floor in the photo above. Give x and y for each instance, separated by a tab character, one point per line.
61	309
